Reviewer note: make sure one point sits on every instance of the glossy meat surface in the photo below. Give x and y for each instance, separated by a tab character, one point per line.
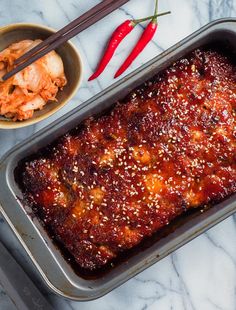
168	147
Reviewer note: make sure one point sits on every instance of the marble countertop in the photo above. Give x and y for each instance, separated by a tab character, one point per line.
200	275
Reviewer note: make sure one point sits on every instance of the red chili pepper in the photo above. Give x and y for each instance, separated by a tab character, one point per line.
146	37
118	35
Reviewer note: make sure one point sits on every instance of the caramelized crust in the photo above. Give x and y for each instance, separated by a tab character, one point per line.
168	147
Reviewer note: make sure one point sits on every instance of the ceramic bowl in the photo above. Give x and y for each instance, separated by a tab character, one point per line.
72	66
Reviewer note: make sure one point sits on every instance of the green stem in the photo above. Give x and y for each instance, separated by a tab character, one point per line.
137	21
156	8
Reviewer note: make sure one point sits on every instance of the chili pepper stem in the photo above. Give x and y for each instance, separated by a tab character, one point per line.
156	8
154	20
138	21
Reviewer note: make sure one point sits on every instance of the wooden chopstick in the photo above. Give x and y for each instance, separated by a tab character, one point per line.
81	23
64	30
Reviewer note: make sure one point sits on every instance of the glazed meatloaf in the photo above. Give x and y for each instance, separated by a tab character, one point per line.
167	147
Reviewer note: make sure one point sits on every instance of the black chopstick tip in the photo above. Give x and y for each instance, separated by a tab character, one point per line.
6	76
3	79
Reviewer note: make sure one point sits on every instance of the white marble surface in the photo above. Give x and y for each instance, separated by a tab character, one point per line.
202	274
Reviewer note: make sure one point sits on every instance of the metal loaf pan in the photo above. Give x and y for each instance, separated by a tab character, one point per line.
47	258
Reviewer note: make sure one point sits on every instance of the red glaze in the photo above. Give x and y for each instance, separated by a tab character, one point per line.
168	147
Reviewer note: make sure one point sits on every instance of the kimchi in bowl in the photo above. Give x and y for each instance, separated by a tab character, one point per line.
72	69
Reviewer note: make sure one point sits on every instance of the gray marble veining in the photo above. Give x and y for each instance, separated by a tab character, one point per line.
202	274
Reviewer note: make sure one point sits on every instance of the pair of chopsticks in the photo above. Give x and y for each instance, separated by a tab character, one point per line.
89	18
